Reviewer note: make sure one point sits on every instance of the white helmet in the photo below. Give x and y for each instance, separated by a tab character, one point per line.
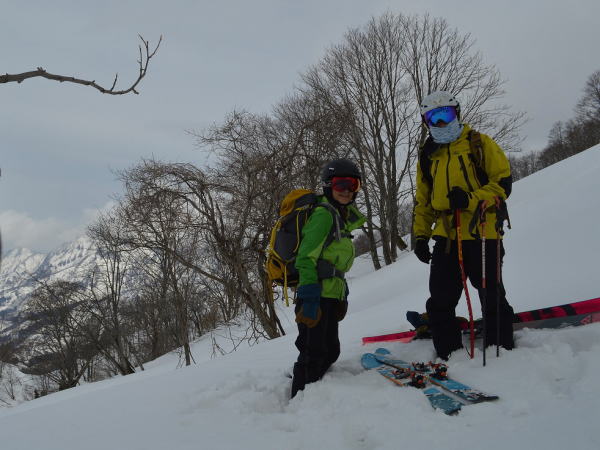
437	99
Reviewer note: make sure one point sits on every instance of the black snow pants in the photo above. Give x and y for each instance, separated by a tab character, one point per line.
319	346
445	287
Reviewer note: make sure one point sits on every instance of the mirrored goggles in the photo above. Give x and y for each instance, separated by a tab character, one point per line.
342	184
444	114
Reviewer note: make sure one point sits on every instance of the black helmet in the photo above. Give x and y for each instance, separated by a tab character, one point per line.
339	168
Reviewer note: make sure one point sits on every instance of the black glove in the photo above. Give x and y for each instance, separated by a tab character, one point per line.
422	249
340	310
459	199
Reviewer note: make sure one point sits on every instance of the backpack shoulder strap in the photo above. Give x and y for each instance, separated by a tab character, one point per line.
336	229
425	152
326	269
476	147
478	156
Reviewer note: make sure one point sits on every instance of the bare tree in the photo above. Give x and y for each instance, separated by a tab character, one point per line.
105	298
524	165
579	133
9	381
380	73
210	207
145	55
162	217
57	350
150	310
588	107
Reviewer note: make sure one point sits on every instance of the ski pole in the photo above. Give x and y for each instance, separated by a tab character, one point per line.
483	292
498	290
464	283
499	232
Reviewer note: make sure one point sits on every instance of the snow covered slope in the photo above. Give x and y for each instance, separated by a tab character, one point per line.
549	394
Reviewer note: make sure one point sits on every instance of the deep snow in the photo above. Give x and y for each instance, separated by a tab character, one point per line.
548	386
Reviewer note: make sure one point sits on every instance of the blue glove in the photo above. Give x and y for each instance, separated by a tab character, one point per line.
310	313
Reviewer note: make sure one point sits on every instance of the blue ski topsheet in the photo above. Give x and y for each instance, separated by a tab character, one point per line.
437	398
461	390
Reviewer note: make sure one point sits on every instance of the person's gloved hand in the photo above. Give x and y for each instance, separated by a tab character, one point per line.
459	199
422	249
341	307
310	297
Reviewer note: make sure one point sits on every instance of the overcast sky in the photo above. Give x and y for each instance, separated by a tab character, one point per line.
61	143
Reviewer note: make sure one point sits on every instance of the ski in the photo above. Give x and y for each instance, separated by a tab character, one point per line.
438	399
559	322
571	314
403	336
466	393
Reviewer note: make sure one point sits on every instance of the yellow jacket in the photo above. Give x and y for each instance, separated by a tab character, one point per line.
453	165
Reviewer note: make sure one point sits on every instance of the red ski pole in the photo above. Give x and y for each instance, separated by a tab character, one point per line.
464	283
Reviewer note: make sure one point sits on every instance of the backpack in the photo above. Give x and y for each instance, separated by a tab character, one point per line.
294	211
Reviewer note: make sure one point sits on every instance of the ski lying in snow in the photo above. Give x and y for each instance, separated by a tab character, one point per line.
571	314
559	322
403	336
436	377
437	398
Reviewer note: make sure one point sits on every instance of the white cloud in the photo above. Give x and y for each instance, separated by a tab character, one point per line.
19	229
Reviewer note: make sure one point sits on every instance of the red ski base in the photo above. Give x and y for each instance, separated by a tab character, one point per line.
579	313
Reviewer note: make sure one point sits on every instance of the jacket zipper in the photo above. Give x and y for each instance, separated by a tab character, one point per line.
475	176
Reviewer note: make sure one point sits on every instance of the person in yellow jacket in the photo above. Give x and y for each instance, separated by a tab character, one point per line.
450	179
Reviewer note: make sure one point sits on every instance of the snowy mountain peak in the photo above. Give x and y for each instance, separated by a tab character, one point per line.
21	267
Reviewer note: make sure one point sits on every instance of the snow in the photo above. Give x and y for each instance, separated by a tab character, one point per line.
549	394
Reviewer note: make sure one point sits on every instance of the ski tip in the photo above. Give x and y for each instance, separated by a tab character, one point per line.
382	351
483	398
369	361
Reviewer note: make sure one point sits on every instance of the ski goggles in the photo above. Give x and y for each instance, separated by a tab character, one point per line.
444	114
341	184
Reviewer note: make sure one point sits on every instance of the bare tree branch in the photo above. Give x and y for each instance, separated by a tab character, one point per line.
143	61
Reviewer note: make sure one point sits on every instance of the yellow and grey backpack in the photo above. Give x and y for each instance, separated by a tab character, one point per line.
294	211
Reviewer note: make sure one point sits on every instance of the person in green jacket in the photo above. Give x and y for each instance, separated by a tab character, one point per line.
325	254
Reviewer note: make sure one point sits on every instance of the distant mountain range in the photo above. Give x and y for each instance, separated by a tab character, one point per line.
22	270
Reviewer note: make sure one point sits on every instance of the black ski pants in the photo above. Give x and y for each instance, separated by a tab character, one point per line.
445	287
319	346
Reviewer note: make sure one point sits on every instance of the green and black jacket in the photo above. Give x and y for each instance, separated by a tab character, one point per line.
317	244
